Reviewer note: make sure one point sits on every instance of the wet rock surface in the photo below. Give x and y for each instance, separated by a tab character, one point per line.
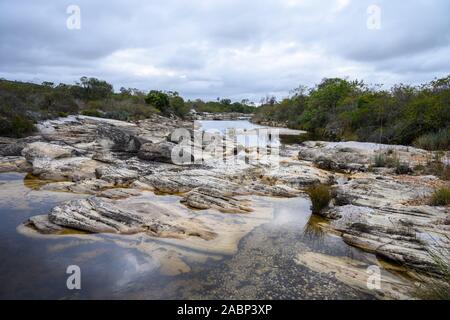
101	215
115	162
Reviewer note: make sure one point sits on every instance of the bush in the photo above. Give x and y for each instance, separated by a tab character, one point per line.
441	197
438	287
402	168
379	161
159	100
434	141
91	113
17	126
389	160
320	196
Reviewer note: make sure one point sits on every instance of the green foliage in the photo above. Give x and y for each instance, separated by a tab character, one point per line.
441	197
434	141
92	89
91	113
224	105
178	106
342	110
402	168
22	104
379	160
159	100
388	160
320	196
438	286
17	126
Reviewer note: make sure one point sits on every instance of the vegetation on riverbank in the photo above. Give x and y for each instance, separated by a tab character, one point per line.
441	197
23	104
343	110
336	109
320	196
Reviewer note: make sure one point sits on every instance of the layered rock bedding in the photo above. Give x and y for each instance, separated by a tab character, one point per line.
114	163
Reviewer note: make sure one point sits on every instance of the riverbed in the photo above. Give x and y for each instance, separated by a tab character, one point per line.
277	259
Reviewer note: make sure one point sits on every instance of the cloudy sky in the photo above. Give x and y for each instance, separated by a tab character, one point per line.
225	48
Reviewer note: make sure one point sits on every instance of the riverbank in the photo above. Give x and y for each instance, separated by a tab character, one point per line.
119	168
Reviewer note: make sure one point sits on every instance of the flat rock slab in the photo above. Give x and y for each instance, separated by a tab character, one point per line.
100	215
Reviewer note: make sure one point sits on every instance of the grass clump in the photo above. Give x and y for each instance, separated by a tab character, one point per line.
17	126
439	140
391	160
320	196
438	286
441	197
379	161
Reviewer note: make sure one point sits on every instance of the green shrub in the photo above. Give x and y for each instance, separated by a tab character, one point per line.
402	168
441	197
91	113
438	286
320	196
17	126
379	161
434	141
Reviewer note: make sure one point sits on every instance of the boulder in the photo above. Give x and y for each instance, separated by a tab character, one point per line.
11	147
46	150
14	164
117	139
163	151
211	198
128	216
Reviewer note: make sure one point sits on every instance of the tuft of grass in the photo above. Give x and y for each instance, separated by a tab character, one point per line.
91	113
320	196
434	141
17	126
391	160
438	287
402	168
441	197
379	161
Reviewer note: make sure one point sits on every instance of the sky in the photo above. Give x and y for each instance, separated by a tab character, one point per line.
225	48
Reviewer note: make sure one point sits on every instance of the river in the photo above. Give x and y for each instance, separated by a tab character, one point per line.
263	267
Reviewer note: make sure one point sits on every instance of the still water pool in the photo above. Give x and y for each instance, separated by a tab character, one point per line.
264	265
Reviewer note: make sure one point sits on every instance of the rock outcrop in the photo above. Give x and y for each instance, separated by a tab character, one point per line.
100	215
115	163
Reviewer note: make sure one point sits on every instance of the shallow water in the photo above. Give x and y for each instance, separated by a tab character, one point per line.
123	267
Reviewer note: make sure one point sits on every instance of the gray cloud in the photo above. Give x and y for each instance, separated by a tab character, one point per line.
206	49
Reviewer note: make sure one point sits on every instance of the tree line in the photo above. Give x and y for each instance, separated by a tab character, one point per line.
342	110
23	104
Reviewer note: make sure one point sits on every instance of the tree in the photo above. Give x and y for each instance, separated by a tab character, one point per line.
159	100
92	89
179	107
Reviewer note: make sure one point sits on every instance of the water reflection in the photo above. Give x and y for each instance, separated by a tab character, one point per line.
131	266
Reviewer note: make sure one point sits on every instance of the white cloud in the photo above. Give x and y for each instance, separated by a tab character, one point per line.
224	48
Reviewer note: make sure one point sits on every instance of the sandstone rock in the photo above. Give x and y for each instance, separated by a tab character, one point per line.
14	164
207	198
167	152
10	147
43	225
183	182
73	169
47	151
116	175
98	215
87	186
356	156
118	139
